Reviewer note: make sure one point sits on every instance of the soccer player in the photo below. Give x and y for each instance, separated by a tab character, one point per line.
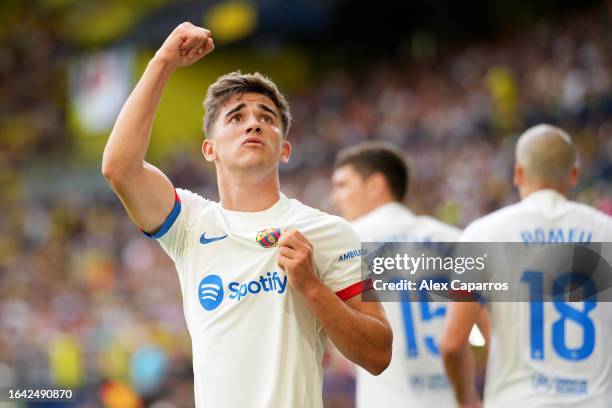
370	181
541	354
263	277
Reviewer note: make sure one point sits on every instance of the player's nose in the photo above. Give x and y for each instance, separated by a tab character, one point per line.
254	129
253	126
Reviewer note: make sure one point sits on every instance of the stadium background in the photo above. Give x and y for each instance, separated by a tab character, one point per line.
87	303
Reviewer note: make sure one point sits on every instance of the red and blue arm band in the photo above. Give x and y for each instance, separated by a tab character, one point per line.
176	210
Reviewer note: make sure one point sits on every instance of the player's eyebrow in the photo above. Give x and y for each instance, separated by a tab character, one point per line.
261	106
267	109
236	109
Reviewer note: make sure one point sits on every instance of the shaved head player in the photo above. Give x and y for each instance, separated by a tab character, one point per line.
264	278
542	354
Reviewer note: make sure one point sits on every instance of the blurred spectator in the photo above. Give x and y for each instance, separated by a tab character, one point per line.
86	302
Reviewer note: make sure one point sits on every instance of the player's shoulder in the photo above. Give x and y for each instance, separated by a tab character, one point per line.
589	211
592	217
497	219
193	202
315	219
439	228
185	194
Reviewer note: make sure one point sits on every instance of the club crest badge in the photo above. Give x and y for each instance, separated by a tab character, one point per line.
268	238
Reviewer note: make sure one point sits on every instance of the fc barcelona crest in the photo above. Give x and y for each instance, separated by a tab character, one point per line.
268	238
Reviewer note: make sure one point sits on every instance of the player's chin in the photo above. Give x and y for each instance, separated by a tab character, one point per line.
253	152
254	161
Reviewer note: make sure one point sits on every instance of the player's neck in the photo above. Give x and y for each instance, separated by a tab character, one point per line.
247	193
372	206
380	201
526	191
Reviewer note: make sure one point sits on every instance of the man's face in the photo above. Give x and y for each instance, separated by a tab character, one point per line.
349	192
247	134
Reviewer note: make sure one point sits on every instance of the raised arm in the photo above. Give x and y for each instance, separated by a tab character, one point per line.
146	193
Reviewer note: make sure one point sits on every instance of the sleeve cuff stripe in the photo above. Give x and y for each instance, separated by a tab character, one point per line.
354	289
176	210
465	296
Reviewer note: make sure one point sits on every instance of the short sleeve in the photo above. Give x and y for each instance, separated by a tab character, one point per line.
339	260
468	234
475	233
452	234
173	234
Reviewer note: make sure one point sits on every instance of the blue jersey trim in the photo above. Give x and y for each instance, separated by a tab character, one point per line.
176	210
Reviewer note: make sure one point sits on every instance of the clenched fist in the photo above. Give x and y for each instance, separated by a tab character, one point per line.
185	45
295	258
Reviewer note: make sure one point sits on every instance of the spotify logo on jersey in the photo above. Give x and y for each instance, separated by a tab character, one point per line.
210	292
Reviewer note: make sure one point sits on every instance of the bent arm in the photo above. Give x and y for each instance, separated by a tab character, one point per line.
146	193
360	330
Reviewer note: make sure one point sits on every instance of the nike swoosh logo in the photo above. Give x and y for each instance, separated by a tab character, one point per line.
204	240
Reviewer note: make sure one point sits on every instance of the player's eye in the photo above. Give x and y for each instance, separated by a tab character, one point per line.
267	118
235	118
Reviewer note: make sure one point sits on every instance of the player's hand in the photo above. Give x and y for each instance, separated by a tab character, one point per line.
185	45
295	258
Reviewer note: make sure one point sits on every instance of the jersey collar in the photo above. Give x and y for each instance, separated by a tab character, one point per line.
545	196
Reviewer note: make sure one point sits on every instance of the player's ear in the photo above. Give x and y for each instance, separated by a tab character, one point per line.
285	152
519	176
574	176
376	183
208	150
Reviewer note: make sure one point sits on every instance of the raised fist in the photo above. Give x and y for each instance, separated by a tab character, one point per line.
185	45
295	257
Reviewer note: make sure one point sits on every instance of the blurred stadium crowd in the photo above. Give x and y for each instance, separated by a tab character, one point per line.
87	303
